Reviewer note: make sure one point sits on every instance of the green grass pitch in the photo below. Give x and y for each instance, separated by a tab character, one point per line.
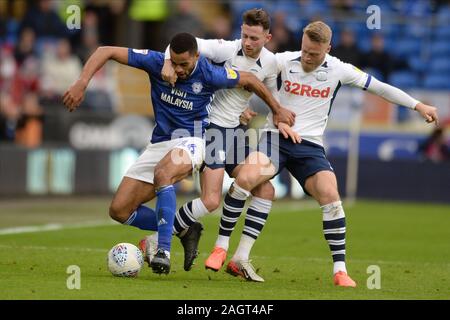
409	242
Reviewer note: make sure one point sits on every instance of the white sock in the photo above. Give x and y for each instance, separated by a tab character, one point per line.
198	209
223	242
339	266
244	248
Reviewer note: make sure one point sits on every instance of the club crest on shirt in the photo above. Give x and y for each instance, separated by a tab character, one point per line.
141	51
321	76
197	87
231	74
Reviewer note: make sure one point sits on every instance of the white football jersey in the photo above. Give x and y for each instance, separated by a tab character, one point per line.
310	95
228	104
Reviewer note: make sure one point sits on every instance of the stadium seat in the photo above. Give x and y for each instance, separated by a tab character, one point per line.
442	33
443	16
404	79
440	65
417	63
437	81
440	48
406	47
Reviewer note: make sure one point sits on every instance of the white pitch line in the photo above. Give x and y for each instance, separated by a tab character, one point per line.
55	227
3	246
204	255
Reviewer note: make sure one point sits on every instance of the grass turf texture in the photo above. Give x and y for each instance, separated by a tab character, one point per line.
409	242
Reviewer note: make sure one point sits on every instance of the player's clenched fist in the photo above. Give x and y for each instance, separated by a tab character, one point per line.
284	115
73	97
429	113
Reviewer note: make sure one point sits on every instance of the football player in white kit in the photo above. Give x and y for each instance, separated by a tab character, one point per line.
309	80
226	145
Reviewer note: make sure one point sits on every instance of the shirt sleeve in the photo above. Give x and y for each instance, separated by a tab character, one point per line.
217	50
392	94
147	60
355	77
270	81
222	77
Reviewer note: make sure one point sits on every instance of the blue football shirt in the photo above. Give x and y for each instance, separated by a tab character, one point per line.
182	110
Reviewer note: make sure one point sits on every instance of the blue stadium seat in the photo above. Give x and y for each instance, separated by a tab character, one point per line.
404	79
417	64
443	16
406	47
439	65
440	48
442	33
437	81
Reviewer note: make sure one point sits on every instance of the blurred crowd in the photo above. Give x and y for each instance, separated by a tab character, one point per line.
40	56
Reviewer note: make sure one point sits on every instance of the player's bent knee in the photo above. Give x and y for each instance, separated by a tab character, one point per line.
328	195
246	180
212	202
264	191
117	213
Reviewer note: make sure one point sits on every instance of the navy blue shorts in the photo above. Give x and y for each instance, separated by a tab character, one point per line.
226	147
302	160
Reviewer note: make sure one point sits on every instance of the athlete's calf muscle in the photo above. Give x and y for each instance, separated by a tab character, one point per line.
130	195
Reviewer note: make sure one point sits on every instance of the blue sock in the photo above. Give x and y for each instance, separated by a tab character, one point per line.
166	206
143	218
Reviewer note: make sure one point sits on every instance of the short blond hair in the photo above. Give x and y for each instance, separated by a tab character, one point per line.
318	31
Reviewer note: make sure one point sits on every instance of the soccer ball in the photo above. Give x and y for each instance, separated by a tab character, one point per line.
125	260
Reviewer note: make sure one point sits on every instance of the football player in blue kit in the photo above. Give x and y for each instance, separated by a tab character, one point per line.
177	145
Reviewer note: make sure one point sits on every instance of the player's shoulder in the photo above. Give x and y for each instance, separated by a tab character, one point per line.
336	63
286	56
210	72
267	60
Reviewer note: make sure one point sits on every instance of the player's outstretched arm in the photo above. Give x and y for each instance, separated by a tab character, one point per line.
399	97
250	82
73	97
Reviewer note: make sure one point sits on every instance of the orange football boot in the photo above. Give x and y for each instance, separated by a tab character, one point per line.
342	279
216	259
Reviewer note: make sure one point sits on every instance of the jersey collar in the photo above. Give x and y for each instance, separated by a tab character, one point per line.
258	60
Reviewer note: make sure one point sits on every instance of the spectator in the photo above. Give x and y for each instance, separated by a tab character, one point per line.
151	14
9	115
44	20
378	58
347	49
89	36
59	70
435	148
221	29
282	38
183	19
25	47
30	123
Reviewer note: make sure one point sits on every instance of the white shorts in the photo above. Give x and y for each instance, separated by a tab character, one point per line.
144	167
